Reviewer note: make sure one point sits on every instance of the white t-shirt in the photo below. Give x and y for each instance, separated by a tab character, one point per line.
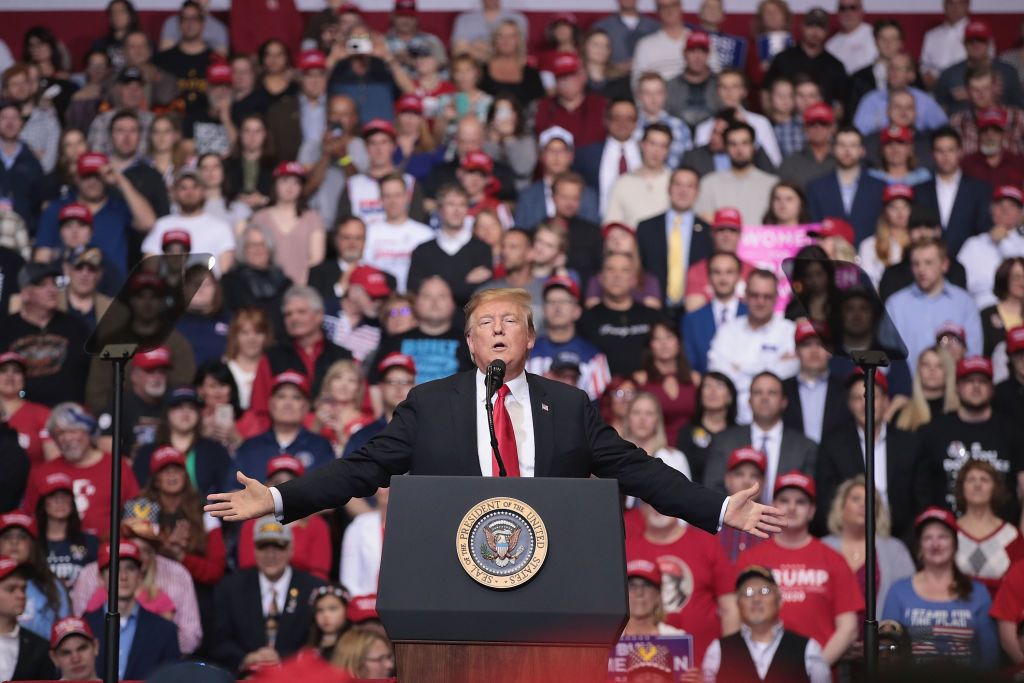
209	235
389	247
364	197
855	49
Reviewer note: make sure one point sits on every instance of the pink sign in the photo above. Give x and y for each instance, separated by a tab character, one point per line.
767	246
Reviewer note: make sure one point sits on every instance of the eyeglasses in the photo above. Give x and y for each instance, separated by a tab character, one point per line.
749	592
400	311
624	393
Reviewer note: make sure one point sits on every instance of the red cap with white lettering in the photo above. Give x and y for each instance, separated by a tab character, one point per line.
1015	339
18	520
745	455
935	514
1014	194
727	218
362	608
975	365
285	463
795	479
644	569
56	481
69	626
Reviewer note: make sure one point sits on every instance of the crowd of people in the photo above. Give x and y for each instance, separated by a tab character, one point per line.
357	188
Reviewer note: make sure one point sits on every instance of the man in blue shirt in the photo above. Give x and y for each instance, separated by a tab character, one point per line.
921	308
872	115
288	406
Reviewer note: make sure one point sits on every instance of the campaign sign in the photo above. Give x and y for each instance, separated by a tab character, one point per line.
767	246
680	649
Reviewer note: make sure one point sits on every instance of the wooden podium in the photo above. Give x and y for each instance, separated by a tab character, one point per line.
511	580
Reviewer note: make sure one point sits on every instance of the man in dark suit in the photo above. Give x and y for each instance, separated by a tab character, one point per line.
434	432
848	193
535	203
815	400
841	457
601	163
712	157
785	449
964	207
263	613
655	237
147	641
698	327
30	658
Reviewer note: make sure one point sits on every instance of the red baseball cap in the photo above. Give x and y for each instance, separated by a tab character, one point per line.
285	463
349	8
1015	339
69	626
477	161
936	514
952	328
644	569
164	457
290	168
805	329
897	134
836	227
17	519
819	112
563	281
145	280
608	227
126	549
9	566
362	608
90	163
312	59
898	191
881	380
292	377
13	357
56	481
747	454
177	236
409	104
75	211
565	64
160	357
378	126
372	280
977	30
1010	192
974	365
219	73
698	40
405	8
727	217
396	360
795	479
992	117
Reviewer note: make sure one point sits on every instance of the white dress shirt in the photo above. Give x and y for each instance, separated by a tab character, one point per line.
276	590
763	654
980	256
881	458
9	653
764	136
770	442
608	171
724	312
945	193
943	47
855	49
519	408
360	553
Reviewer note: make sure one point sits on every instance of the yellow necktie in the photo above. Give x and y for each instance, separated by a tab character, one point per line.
676	281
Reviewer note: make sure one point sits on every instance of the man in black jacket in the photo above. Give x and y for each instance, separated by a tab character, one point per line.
30	659
815	399
433	432
263	613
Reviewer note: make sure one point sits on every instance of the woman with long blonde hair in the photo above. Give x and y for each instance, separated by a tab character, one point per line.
338	410
364	654
934	391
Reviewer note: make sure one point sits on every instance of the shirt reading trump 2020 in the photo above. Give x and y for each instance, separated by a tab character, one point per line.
436	356
816	585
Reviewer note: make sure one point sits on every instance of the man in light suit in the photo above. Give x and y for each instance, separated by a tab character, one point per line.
535	203
849	192
962	202
545	428
785	449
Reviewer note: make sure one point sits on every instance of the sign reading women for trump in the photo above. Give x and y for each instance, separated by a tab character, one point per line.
767	246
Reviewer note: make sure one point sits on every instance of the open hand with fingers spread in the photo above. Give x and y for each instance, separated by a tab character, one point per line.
247	503
746	514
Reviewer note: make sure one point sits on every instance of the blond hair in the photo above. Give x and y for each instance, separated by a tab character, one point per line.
660	438
353	647
336	370
515	295
917	413
883	524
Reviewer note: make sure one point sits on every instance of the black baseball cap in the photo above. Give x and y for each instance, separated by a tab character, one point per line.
34	273
130	74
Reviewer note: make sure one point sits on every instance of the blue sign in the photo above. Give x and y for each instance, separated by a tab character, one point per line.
680	650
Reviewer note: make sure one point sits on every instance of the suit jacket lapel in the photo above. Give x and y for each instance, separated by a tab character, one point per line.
464	413
543	430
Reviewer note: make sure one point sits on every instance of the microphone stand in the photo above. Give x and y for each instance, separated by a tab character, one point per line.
489	407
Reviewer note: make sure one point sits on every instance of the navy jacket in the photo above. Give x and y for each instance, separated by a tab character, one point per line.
155	644
824	200
698	329
587	163
653	243
836	412
531	206
22	184
971	214
33	661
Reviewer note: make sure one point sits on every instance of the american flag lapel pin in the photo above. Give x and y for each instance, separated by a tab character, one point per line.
544	406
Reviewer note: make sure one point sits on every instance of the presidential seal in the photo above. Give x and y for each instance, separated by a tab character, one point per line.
502	543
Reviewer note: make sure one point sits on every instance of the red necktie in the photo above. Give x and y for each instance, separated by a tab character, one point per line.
623	167
506	437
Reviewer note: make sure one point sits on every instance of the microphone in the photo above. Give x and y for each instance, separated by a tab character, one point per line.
494	377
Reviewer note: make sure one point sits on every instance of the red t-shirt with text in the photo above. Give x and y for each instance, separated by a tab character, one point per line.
694	574
816	585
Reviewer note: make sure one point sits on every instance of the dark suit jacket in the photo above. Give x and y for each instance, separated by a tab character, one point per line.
653	243
324	275
698	329
285	127
797	453
702	160
34	661
239	626
841	459
433	432
531	206
836	412
284	356
971	214
587	162
155	644
825	200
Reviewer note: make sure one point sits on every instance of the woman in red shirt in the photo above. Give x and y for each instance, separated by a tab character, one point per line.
25	417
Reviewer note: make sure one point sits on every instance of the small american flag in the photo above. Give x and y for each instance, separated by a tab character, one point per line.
544	406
